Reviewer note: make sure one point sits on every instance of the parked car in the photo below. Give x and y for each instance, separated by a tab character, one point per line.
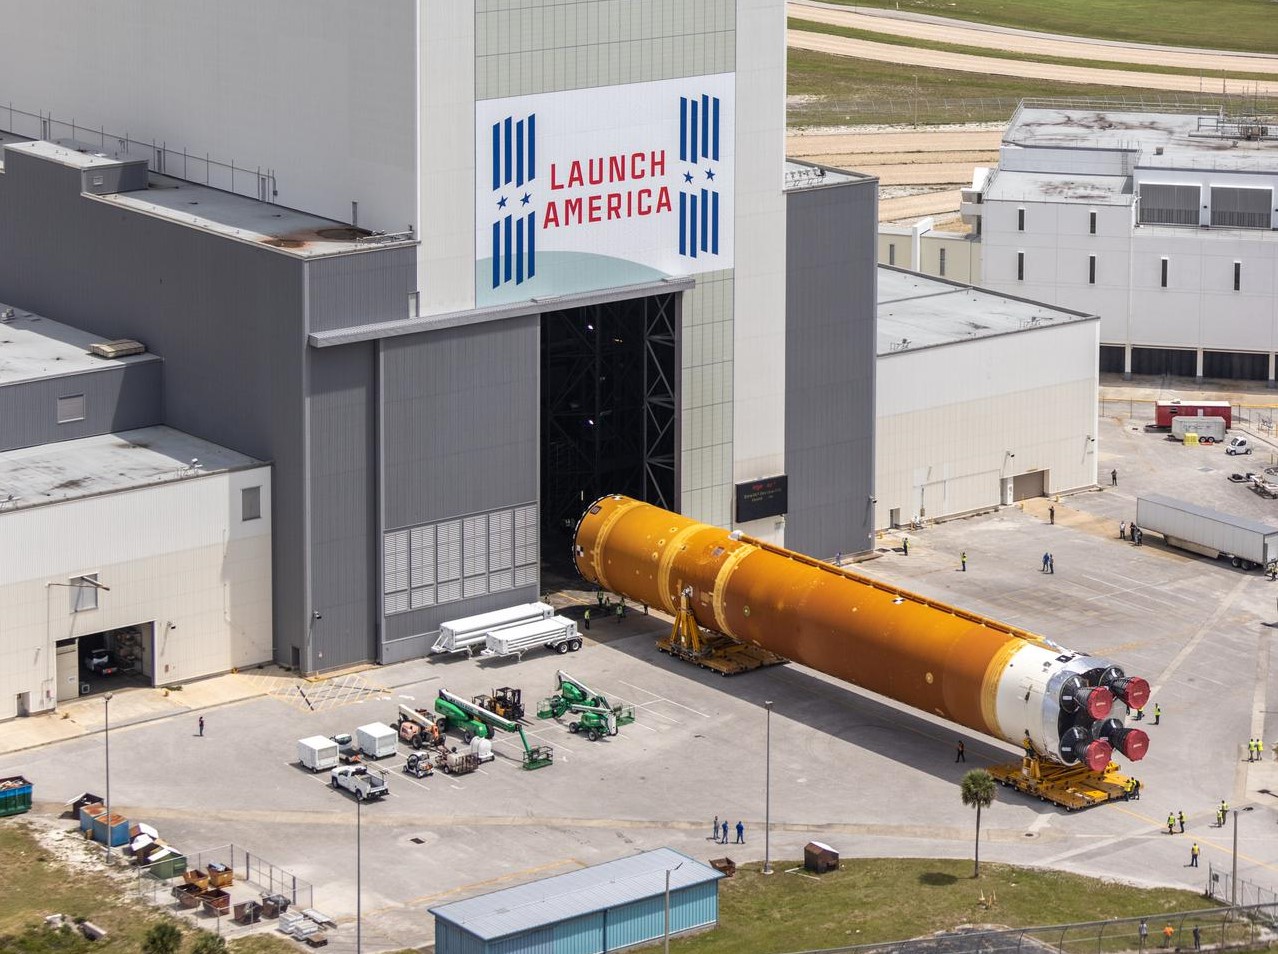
1238	445
101	661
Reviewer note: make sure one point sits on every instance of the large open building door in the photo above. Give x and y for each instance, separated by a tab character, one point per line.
609	410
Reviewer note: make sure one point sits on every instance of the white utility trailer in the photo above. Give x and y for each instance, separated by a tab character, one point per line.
470	633
558	633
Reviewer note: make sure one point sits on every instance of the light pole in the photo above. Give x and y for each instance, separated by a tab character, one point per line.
767	795
667	931
359	871
106	712
1233	878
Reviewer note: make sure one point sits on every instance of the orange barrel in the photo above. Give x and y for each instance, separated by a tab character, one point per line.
996	679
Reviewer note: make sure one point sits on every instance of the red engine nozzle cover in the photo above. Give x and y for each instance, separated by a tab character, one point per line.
1096	702
1098	754
1133	690
1132	743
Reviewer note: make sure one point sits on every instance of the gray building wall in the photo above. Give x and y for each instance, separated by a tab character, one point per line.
830	361
341	491
460	421
226	316
349	290
116	398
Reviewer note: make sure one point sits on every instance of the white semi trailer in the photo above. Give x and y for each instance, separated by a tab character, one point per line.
1244	542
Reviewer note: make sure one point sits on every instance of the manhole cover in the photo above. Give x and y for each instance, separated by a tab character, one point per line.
418	841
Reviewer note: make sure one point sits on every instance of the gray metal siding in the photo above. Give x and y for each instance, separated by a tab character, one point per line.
460	423
353	290
116	398
829	367
227	318
343	504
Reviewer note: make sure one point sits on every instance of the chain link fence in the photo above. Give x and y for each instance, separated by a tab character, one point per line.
1220	888
254	878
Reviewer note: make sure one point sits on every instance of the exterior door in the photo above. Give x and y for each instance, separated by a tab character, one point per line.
68	670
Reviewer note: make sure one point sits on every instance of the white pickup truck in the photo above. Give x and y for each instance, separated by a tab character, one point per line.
358	780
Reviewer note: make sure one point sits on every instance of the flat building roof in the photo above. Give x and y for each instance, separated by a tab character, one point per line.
34	347
108	463
918	311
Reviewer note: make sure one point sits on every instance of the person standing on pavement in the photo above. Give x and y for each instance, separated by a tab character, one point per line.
960	754
1046	559
201	727
905	546
1143	931
1122	529
1158	713
1180	820
963	560
586	619
740	833
620	611
1198	934
1193	855
1113	477
1171	823
714	829
725	831
1051	514
1168	931
1051	563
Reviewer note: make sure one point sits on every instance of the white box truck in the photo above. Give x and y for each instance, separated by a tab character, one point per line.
1245	543
317	753
558	633
470	632
376	740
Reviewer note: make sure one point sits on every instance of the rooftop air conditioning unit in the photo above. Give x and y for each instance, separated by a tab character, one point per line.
120	348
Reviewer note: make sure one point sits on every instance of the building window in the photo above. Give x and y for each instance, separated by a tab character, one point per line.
1020	220
1091	223
1020	266
439	563
84	592
1237	276
1164	274
942	263
1091	269
251	503
71	408
891	253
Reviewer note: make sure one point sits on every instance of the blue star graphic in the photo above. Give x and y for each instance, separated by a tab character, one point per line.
710	174
501	203
526	199
687	177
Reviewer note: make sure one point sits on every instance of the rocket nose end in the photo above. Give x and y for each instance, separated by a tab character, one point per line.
1099	702
1135	692
1133	744
1097	755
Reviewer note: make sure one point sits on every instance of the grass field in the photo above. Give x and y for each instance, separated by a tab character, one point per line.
35	883
839	91
1250	25
893	40
875	900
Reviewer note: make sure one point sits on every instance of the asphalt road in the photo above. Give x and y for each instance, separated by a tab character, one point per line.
967	33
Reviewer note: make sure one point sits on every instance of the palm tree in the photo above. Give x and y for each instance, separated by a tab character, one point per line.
978	792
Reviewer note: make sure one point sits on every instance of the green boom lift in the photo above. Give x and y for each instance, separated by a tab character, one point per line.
597	716
473	720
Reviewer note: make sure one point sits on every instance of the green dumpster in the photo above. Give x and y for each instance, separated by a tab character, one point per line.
167	864
15	795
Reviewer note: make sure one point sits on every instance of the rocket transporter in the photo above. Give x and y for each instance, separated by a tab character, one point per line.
1061	706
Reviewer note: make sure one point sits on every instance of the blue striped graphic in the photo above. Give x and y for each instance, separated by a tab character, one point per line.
514	164
699	131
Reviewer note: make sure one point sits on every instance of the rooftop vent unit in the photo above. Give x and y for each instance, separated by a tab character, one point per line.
120	348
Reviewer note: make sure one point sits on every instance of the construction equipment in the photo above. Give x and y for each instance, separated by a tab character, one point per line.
1064	708
727	657
506	702
418	727
476	721
598	716
418	764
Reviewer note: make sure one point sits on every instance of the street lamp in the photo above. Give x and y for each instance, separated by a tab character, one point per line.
667	931
767	795
1233	880
359	870
106	712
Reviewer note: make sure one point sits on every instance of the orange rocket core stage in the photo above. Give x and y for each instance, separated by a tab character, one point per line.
918	651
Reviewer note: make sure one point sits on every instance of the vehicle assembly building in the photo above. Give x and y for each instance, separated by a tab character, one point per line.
469	276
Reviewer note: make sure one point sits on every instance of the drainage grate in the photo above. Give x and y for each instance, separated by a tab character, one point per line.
418	841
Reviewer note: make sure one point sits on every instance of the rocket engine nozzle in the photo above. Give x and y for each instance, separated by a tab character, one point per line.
1077	745
1132	690
1096	701
1132	743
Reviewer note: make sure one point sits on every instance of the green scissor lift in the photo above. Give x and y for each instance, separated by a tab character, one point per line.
473	721
597	716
